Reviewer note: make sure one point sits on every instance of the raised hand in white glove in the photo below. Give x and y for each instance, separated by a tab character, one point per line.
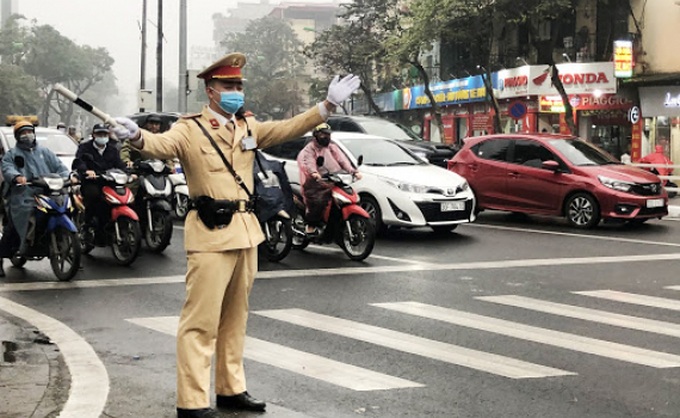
126	129
341	89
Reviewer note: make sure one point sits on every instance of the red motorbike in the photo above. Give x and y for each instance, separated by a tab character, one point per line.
121	230
345	222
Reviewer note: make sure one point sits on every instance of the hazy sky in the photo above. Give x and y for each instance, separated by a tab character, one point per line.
116	24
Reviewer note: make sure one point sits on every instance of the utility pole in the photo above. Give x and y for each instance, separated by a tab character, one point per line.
142	77
182	96
159	59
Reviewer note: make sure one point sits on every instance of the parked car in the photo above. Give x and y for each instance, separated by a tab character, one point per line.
436	153
558	175
397	189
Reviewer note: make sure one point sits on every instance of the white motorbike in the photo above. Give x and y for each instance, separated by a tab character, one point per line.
180	193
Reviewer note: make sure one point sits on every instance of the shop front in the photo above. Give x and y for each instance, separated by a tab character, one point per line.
660	106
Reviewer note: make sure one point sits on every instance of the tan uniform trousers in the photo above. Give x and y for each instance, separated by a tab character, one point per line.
213	320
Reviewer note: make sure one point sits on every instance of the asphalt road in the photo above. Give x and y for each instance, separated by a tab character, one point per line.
509	317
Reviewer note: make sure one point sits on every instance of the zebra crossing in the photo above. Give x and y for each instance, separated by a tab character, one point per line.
361	379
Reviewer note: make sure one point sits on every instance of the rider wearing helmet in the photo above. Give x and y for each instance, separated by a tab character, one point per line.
20	164
315	192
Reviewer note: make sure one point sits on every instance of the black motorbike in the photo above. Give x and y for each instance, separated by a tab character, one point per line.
274	206
153	203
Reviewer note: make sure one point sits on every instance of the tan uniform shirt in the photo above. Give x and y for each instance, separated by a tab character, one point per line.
207	175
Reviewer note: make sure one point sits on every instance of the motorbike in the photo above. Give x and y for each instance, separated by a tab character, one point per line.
345	222
121	229
662	168
152	203
664	171
51	231
274	206
180	193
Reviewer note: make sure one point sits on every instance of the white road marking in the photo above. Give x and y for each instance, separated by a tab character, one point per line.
574	235
340	271
449	353
634	299
560	339
300	362
587	314
89	379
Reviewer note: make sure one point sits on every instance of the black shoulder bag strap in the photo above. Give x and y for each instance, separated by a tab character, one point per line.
238	178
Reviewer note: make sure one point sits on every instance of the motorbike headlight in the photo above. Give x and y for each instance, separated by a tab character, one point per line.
620	185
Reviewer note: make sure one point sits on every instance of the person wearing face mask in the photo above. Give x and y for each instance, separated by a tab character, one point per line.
21	164
101	156
221	231
315	192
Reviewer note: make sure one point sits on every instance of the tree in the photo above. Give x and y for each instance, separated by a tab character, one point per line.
18	92
275	69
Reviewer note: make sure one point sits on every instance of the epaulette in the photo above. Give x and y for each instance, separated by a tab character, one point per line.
190	116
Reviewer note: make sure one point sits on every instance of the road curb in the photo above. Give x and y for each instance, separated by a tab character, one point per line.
673	211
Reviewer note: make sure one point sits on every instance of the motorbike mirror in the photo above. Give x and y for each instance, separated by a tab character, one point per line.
19	161
360	160
320	160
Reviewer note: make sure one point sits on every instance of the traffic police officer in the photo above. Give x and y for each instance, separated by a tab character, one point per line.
222	235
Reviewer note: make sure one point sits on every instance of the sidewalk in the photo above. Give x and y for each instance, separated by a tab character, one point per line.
33	377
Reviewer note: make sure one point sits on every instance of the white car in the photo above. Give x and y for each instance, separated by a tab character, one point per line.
398	188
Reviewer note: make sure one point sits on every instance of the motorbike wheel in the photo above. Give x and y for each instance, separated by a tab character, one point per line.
126	250
299	239
358	243
64	253
85	236
278	238
181	205
18	261
158	236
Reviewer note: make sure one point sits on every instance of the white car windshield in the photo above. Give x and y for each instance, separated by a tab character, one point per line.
58	143
387	129
380	152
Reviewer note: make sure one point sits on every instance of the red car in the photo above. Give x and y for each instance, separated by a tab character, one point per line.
557	175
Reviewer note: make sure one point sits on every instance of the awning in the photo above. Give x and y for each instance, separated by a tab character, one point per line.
658	79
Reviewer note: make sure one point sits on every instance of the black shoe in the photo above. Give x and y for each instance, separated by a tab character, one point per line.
197	413
2	269
242	401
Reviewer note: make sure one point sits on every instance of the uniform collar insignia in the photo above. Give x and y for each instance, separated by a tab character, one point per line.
214	123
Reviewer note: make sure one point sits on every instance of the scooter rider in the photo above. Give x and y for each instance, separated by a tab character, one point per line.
22	163
94	156
315	192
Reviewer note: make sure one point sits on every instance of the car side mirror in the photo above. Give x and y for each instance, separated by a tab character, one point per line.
360	160
551	165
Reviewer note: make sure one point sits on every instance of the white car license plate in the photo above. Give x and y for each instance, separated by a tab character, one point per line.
452	206
654	203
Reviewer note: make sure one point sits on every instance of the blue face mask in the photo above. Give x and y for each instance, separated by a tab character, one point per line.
231	101
101	140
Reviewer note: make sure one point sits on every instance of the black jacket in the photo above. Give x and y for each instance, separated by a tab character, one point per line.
98	163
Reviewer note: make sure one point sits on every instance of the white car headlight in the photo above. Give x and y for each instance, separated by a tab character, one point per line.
406	187
462	187
620	185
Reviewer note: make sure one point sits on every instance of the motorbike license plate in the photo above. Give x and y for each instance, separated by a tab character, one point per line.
654	203
452	206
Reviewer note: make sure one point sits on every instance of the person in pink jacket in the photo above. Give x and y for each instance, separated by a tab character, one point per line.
315	191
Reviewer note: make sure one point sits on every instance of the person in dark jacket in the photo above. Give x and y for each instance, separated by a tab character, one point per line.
94	157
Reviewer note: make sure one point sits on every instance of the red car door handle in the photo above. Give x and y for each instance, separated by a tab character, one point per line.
513	174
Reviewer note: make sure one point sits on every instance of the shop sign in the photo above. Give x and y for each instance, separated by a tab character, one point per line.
512	82
623	59
660	101
634	115
464	90
554	104
577	78
604	102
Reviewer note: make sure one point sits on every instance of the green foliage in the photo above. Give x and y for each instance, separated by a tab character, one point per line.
44	56
18	92
275	67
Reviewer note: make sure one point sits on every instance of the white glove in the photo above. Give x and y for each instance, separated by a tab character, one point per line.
126	129
340	90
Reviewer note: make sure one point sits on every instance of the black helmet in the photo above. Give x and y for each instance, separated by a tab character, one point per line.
100	127
153	118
